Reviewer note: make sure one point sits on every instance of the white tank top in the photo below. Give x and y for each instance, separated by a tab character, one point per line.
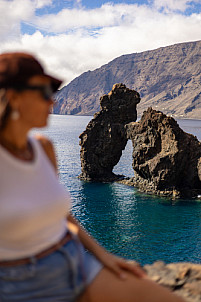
33	204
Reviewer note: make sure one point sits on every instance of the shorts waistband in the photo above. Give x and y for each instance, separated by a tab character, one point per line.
67	237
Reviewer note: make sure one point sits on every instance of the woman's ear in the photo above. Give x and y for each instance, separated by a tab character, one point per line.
12	98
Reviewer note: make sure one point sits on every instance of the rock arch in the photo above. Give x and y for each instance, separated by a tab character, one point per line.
166	160
104	138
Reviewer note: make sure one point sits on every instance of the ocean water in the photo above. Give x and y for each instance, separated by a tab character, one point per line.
128	223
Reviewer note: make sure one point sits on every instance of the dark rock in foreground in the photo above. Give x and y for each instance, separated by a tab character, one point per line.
183	279
166	159
104	138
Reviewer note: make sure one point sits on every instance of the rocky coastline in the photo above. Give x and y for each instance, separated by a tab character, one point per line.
184	279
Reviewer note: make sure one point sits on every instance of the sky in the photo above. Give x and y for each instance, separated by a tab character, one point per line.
73	36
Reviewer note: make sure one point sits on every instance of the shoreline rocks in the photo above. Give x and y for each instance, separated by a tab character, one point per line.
184	279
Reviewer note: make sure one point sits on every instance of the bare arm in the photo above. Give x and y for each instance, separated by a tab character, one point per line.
88	241
117	265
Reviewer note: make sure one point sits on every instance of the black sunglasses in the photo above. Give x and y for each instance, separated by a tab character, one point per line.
45	90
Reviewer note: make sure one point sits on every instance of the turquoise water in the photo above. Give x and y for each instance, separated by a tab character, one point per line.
126	222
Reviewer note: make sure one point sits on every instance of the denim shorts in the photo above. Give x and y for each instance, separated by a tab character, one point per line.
60	276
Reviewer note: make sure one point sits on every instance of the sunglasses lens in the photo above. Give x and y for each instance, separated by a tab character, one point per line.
47	93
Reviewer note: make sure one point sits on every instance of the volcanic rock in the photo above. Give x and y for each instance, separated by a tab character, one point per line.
104	138
184	279
166	159
199	168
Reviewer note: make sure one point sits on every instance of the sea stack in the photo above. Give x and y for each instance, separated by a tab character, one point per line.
104	138
166	160
199	168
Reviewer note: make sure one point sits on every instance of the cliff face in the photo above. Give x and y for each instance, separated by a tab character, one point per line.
168	79
104	138
165	158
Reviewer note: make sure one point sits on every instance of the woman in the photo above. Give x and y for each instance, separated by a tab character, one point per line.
42	256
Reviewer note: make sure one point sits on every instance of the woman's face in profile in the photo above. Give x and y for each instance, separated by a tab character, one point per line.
33	106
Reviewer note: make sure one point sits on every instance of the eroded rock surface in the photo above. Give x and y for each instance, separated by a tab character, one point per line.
199	168
166	159
182	278
104	138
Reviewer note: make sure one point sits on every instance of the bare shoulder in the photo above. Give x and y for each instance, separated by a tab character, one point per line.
44	141
48	147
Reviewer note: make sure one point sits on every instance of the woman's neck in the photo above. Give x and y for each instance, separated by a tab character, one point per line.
14	134
15	140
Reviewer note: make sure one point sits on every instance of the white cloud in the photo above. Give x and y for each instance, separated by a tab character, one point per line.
11	14
78	3
42	3
98	35
67	19
173	5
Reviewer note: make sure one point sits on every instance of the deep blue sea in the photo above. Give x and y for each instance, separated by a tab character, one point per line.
128	223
